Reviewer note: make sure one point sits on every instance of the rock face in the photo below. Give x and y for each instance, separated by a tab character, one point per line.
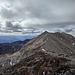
9	48
47	54
58	44
41	63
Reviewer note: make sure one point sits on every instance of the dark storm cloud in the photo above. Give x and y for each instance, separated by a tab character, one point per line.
14	28
10	25
18	28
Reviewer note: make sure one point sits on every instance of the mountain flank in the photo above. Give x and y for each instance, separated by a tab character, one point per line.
10	48
47	54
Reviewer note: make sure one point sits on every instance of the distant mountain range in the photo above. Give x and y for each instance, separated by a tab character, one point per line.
47	54
9	48
9	39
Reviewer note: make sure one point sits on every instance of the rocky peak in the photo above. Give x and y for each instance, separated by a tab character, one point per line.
54	44
46	32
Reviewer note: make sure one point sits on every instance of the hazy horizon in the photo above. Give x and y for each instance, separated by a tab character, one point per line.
9	39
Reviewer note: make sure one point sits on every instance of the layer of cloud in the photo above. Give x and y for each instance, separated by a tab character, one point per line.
36	16
11	28
47	9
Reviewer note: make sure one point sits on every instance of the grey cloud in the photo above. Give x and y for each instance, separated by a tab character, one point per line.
53	25
7	14
14	28
5	30
58	13
68	30
19	28
30	30
10	25
48	9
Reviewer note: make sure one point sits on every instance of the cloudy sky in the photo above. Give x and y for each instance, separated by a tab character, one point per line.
31	17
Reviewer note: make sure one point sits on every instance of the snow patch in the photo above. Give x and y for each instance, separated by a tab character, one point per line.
2	64
61	38
11	63
73	43
53	60
43	49
43	73
71	52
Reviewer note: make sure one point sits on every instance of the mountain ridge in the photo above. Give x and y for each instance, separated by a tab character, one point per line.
10	48
53	45
53	38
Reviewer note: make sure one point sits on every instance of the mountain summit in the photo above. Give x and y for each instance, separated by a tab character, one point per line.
47	53
55	43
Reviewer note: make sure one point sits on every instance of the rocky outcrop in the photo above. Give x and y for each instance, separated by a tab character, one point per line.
41	63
